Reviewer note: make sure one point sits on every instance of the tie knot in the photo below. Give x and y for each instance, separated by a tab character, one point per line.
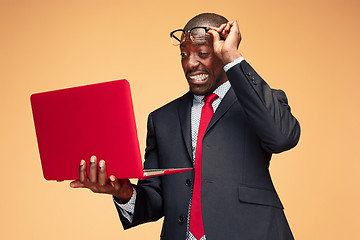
210	98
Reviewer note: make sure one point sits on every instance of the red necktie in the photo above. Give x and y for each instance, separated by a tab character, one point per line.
196	223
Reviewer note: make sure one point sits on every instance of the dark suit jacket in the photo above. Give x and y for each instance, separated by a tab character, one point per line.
238	197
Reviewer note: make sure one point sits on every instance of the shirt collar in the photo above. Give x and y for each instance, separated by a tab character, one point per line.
220	91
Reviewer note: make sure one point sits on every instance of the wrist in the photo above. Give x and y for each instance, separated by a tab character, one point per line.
125	195
230	57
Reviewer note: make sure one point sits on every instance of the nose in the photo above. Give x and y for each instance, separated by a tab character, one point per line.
193	62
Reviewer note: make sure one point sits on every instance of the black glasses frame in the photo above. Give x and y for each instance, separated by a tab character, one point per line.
184	32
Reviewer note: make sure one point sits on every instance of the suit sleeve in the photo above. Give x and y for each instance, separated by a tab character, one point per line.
148	204
267	109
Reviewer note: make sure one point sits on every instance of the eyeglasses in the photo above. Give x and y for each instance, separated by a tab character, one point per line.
197	35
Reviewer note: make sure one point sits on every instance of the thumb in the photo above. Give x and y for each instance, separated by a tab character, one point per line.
76	184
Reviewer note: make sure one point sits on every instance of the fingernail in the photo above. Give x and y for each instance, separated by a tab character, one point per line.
101	164
112	178
93	159
82	162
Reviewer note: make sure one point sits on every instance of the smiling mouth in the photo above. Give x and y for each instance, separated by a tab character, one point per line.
199	77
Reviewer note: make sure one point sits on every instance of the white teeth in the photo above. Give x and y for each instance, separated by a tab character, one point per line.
199	77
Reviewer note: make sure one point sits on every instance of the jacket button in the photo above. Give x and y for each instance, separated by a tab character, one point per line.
252	78
188	182
249	74
181	219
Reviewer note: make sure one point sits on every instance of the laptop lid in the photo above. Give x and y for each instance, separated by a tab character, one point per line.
75	123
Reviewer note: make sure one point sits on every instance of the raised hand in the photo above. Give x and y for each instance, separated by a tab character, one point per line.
226	40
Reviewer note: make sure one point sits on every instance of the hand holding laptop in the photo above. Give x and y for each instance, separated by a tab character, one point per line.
98	182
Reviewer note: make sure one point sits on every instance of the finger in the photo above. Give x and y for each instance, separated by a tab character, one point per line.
114	183
76	184
93	170
216	40
82	171
221	28
215	34
229	25
227	29
102	178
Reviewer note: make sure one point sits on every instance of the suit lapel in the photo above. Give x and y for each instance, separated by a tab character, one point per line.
226	103
184	111
185	120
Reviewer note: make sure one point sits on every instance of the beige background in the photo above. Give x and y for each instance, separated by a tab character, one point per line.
308	48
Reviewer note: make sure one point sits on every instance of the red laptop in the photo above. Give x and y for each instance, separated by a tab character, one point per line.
75	123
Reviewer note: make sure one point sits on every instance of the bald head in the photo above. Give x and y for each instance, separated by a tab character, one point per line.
205	20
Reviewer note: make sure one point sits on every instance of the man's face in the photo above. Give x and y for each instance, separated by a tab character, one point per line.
203	70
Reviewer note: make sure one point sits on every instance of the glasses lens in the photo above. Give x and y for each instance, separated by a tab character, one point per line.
177	37
198	35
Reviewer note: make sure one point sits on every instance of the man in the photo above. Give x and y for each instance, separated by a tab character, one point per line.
228	139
